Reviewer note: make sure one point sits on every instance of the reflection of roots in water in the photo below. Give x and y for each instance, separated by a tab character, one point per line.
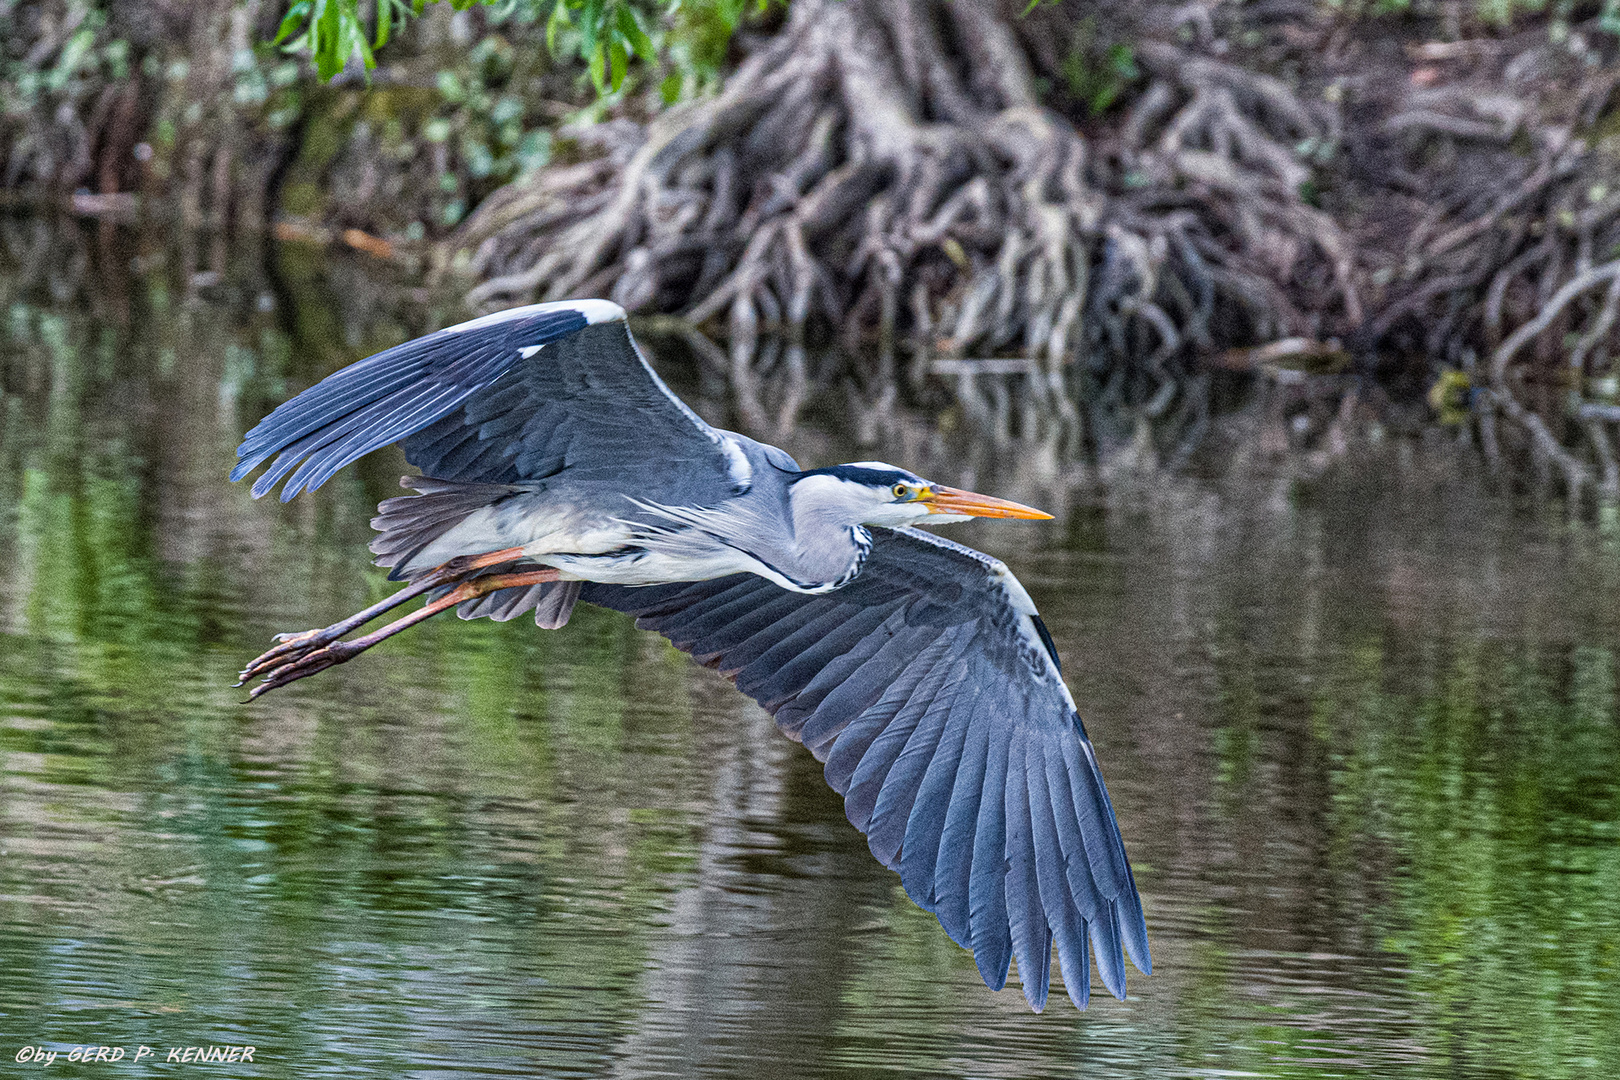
1496	267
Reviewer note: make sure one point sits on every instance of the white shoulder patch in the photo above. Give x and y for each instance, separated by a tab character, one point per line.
737	467
595	312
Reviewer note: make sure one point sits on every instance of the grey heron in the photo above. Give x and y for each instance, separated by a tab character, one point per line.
557	468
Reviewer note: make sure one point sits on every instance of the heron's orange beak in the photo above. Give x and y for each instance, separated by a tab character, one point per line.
944	500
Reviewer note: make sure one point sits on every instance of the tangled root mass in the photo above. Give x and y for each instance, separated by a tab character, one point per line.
888	168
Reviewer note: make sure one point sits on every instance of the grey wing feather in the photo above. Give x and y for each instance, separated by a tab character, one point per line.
588	403
514	396
931	692
552	603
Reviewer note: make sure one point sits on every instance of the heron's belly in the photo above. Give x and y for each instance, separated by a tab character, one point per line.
540	529
640	566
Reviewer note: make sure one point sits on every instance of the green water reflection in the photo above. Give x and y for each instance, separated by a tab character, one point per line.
1362	738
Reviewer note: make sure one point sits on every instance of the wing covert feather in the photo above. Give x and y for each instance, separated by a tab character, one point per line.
518	395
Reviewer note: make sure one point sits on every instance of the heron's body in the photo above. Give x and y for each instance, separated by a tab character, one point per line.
557	468
592	530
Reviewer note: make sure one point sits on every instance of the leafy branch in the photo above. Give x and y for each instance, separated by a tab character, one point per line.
605	35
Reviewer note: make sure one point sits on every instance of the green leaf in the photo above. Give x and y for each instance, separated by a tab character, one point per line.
355	42
558	20
636	36
385	14
535	150
621	61
291	21
327	36
506	108
598	75
591	25
1123	60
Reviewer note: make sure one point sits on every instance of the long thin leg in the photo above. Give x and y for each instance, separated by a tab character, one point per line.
339	652
293	646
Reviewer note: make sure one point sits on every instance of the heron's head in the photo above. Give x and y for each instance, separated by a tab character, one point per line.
877	493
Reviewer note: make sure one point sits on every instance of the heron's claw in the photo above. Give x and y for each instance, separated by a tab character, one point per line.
289	649
297	656
303	666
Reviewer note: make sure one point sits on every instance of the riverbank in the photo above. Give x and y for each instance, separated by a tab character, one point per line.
1389	221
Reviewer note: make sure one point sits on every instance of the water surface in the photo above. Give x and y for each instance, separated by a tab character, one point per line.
1361	735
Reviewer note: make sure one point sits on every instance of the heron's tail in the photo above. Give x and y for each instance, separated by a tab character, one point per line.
408	526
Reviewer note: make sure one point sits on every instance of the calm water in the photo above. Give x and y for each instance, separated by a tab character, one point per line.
1361	735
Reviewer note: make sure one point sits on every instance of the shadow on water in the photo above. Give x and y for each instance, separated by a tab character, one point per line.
1361	736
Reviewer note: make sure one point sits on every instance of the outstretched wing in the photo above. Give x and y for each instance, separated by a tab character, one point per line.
930	689
516	395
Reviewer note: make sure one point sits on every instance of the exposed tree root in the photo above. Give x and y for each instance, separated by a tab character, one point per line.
1508	267
911	190
919	180
888	169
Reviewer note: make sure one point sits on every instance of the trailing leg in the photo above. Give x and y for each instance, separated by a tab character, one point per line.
339	652
291	647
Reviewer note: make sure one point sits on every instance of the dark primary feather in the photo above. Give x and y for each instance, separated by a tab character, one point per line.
938	712
470	407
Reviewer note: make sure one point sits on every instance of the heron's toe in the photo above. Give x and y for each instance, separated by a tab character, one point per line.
289	649
296	639
302	667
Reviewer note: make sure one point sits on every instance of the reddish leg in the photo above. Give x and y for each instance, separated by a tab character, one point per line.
339	652
294	646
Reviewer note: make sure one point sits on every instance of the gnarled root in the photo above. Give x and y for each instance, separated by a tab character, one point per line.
888	168
1509	255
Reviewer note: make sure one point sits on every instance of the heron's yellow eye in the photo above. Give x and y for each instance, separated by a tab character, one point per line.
901	491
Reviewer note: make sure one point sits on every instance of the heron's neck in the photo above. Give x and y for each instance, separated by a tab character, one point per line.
828	543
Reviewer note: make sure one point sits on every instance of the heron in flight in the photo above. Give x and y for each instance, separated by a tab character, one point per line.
558	468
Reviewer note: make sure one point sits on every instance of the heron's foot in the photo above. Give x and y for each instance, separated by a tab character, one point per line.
304	665
302	655
289	649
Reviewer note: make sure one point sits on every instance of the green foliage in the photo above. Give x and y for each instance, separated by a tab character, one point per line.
689	36
1097	74
88	57
697	40
481	118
